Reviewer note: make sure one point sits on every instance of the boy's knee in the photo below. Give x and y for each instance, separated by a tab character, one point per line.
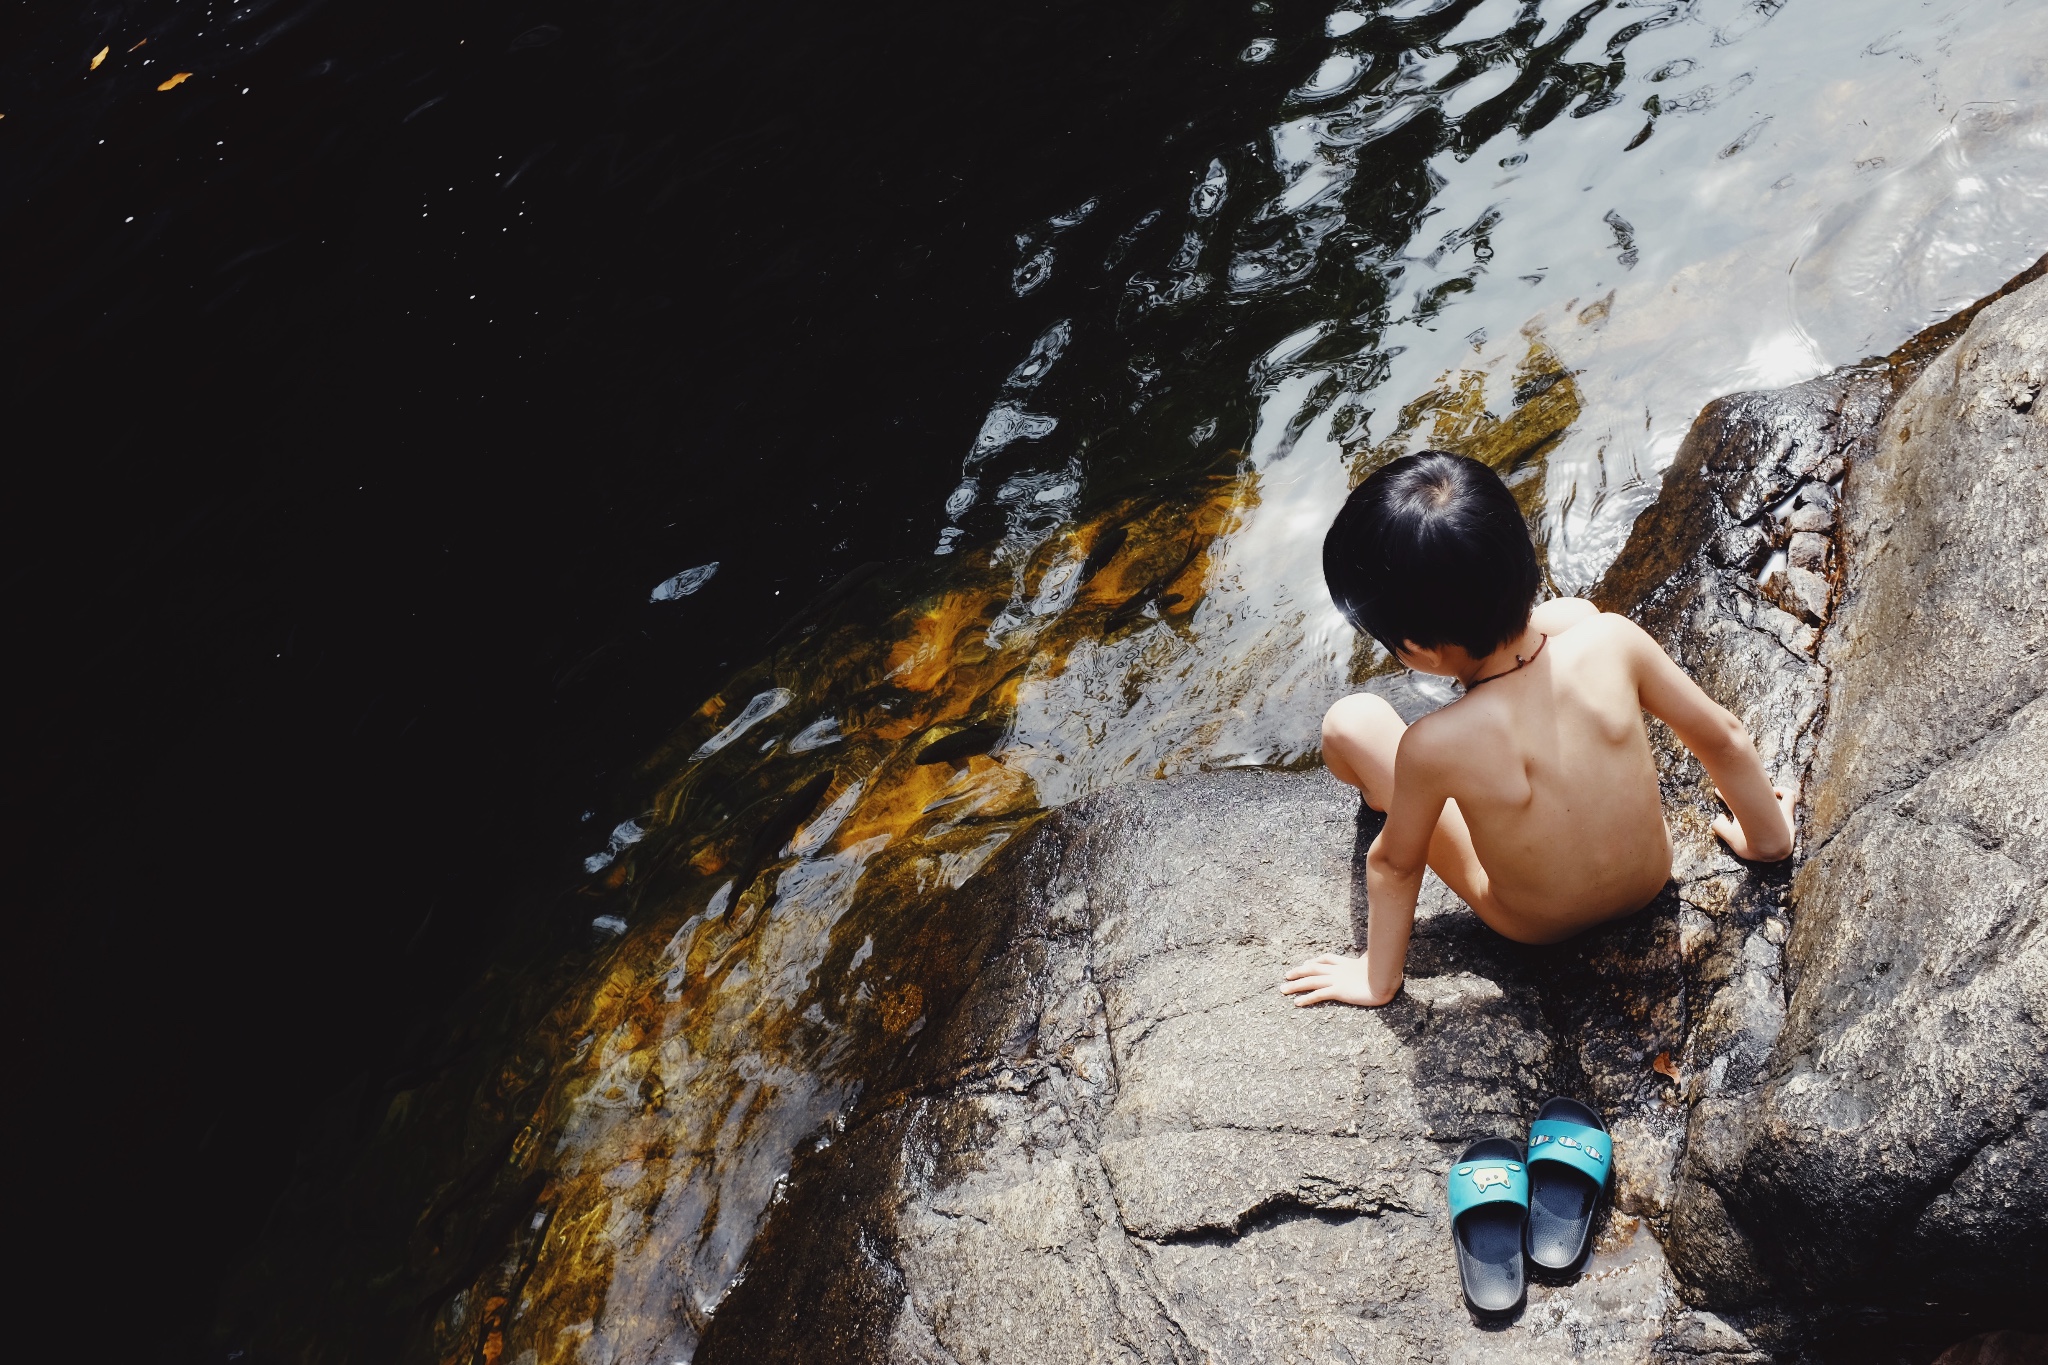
1357	714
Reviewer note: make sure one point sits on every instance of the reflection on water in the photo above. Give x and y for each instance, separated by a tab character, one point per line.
781	942
1918	245
1543	233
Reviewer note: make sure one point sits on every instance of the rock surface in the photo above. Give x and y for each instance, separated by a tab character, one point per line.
1897	1123
1124	1144
1127	1145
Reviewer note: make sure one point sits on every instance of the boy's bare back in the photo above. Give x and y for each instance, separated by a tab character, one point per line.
1551	768
1534	796
1553	772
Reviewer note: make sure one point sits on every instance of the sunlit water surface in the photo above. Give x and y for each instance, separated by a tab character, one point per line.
1540	232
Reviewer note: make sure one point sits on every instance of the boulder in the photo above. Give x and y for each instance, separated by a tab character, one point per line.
1894	1136
1998	1348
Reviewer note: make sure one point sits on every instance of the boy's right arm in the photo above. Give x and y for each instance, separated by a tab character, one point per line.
1393	881
1762	827
1396	862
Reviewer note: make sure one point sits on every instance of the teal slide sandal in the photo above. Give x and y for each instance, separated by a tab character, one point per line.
1570	1158
1489	1191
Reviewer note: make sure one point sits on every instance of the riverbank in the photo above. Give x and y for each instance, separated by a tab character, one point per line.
1823	1080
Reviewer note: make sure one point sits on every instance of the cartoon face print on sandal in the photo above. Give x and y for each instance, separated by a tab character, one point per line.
1487	1177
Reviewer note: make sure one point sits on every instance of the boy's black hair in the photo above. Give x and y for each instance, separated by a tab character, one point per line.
1432	549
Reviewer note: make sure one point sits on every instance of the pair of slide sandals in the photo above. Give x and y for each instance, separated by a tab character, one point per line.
1506	1204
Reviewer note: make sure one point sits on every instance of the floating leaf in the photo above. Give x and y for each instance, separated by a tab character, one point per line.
1663	1067
178	79
99	57
138	44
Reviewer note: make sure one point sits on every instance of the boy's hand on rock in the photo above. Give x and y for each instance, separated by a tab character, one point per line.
1732	834
1331	977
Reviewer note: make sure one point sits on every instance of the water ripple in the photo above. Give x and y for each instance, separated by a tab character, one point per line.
1918	245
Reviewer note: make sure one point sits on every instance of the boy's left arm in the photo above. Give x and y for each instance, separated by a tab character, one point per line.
1762	828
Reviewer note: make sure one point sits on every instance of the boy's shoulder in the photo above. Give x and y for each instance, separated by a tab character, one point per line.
1560	614
1585	622
1588	626
1450	734
1440	742
1455	732
1602	646
1611	630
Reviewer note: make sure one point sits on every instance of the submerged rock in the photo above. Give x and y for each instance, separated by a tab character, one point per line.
1124	1143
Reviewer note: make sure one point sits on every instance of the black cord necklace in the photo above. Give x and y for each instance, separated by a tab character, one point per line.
1520	663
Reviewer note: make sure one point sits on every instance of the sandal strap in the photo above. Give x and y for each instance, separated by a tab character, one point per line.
1488	1180
1586	1150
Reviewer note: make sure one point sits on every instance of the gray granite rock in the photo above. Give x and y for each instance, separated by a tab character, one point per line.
1128	1145
1894	1137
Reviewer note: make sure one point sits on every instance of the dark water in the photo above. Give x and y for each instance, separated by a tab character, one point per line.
339	478
356	418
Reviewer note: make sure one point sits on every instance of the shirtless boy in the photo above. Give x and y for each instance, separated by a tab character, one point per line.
1534	795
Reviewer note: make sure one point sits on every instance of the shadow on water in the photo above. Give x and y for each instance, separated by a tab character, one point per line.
481	390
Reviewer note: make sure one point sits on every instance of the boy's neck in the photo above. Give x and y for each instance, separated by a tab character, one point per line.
1506	659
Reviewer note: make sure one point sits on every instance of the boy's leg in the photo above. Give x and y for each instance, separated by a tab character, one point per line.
1361	735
